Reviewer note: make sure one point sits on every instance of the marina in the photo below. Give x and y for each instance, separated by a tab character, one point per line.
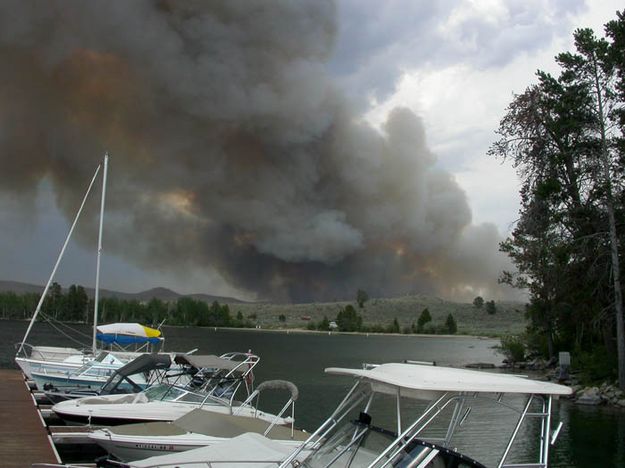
584	430
406	383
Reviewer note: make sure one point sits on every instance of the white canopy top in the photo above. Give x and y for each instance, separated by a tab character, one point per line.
420	380
244	451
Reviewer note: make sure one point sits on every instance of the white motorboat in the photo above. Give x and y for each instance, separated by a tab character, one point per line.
93	371
214	386
199	428
431	407
146	370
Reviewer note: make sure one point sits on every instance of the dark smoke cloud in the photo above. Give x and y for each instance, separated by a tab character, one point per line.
231	149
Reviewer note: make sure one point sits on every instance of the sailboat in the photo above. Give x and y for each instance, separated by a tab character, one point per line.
64	360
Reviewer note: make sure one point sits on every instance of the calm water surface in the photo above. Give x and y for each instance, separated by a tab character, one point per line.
591	437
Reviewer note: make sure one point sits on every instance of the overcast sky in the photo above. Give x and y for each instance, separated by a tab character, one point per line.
456	64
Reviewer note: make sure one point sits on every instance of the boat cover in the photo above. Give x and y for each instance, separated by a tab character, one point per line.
243	451
127	333
210	361
419	381
144	363
208	423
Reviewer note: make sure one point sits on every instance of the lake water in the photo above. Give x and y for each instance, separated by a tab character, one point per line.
590	437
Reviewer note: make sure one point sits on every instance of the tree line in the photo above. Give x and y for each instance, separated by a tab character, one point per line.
349	320
75	306
565	136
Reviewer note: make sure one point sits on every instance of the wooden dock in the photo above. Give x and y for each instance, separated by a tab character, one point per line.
24	438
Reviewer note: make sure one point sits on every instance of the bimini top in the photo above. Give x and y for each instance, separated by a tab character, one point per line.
127	333
421	381
145	363
210	362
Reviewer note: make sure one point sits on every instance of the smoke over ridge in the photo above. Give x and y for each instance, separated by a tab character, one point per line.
231	149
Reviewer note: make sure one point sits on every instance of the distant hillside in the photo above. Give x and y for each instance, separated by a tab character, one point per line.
163	294
509	318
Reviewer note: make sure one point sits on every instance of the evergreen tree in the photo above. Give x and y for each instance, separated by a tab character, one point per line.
450	325
424	318
361	298
565	136
348	319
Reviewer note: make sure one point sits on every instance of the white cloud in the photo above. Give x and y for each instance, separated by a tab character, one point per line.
462	100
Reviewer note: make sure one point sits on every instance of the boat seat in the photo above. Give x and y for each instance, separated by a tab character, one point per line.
212	424
130	398
228	426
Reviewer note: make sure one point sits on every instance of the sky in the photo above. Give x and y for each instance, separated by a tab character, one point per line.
455	65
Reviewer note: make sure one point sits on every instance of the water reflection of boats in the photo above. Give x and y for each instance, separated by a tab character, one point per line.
200	428
215	384
359	434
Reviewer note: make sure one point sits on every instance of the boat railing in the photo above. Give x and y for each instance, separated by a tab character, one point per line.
224	384
44	353
274	385
348	404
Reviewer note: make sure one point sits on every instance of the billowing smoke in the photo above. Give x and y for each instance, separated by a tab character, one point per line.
231	149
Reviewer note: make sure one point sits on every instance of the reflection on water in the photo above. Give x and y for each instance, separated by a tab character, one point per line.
590	437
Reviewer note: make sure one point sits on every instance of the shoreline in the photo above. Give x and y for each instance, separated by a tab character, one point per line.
304	331
288	331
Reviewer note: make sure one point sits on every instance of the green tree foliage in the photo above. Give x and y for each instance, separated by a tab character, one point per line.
513	348
424	318
218	315
324	325
282	318
156	311
348	320
361	298
77	301
14	306
450	325
491	308
76	306
565	136
478	302
394	327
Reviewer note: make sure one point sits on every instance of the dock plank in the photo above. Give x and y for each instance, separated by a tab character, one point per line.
23	438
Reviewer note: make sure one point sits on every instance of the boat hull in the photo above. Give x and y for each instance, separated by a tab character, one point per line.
119	409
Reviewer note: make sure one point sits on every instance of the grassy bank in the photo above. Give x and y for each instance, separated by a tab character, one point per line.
509	317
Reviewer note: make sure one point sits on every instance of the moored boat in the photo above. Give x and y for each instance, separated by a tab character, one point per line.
200	428
215	384
431	406
95	371
140	373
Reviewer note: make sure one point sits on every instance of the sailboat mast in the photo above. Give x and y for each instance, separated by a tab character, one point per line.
97	270
58	261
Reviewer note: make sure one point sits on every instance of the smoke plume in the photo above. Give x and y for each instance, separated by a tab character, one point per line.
231	149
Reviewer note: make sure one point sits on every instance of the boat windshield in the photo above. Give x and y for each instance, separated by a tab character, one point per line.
356	443
106	357
421	454
163	392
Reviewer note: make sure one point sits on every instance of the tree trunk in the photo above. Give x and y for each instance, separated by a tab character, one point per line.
618	294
